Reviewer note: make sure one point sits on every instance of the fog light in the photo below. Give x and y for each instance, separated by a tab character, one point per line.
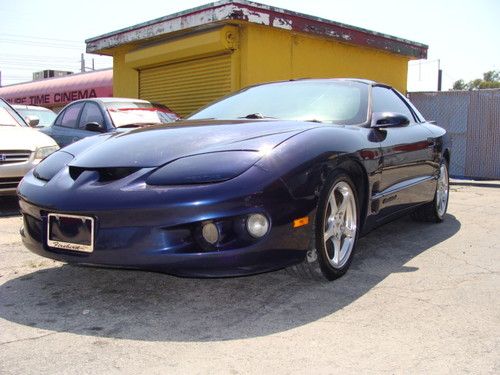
210	233
257	225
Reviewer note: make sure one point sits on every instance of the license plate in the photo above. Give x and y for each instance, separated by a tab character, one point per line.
70	232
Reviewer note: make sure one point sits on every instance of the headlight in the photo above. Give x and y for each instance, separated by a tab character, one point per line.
43	152
204	168
257	225
49	167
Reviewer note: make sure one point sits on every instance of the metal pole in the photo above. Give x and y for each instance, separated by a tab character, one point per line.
82	64
440	75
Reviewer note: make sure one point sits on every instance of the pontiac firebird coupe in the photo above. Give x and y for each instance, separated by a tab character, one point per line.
276	175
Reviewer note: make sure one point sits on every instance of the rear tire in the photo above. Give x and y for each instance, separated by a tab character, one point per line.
434	212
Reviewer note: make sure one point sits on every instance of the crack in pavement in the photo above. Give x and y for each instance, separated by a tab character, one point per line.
28	338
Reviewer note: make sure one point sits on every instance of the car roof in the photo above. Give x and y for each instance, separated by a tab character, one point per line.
359	80
111	100
32	107
105	100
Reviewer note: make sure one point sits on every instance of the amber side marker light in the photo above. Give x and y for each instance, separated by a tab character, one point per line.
300	222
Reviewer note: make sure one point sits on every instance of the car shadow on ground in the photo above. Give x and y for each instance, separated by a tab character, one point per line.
9	206
156	307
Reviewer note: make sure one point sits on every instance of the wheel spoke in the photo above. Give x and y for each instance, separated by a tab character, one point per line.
336	250
333	204
345	201
349	232
329	232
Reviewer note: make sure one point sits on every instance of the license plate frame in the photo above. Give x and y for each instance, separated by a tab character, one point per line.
68	245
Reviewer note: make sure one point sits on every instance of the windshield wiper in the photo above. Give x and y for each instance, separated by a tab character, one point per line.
256	115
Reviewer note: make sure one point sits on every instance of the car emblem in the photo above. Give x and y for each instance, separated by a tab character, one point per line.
3	157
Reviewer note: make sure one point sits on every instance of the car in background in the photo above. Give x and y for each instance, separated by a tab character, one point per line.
35	116
21	148
87	117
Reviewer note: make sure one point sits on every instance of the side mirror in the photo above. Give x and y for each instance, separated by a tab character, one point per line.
32	121
388	120
95	127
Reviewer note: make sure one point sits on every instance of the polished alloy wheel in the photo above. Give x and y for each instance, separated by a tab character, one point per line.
340	224
442	190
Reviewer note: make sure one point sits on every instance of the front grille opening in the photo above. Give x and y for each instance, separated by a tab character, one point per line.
14	156
9	182
75	172
105	174
112	174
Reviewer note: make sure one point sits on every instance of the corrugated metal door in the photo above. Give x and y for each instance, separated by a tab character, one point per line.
188	85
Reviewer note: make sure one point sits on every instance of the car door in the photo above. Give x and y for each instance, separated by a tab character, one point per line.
64	129
408	168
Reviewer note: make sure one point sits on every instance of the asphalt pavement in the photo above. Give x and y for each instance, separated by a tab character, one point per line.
419	298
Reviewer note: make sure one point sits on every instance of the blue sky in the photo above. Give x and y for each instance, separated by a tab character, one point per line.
35	35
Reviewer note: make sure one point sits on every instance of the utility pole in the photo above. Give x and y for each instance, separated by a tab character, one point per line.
82	64
440	75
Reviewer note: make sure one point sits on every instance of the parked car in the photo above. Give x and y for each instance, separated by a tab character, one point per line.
21	148
87	117
281	174
35	116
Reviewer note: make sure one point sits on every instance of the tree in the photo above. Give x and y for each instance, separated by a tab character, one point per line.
490	80
460	85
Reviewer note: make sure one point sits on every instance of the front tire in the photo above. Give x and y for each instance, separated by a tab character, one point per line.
335	230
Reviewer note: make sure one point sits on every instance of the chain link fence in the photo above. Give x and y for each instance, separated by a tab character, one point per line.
472	119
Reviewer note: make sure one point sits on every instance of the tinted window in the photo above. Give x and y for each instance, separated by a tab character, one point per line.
332	101
91	113
69	117
386	100
417	112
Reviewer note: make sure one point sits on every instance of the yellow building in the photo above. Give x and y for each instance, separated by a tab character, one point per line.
188	59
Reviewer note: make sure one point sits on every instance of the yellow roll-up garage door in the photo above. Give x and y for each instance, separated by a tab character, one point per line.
188	85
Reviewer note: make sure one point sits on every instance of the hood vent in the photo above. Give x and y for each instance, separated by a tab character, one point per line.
105	174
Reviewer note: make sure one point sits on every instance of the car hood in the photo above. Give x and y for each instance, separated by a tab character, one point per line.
158	145
20	138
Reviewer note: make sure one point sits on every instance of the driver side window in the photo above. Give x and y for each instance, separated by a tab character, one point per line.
91	113
386	100
69	117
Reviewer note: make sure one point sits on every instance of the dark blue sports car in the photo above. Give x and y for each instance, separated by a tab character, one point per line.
276	175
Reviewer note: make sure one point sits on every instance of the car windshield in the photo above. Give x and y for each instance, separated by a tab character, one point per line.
341	102
46	117
9	117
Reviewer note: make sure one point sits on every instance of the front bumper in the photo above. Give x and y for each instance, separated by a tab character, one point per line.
160	235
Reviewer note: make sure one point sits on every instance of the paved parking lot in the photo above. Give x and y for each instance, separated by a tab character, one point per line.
419	298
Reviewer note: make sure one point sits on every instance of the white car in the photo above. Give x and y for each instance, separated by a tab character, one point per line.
35	116
21	148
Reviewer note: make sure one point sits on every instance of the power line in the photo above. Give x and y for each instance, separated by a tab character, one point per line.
39	37
39	44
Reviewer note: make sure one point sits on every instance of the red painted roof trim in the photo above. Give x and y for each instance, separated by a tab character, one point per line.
252	12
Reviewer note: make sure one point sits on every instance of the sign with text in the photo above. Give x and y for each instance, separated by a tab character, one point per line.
59	98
